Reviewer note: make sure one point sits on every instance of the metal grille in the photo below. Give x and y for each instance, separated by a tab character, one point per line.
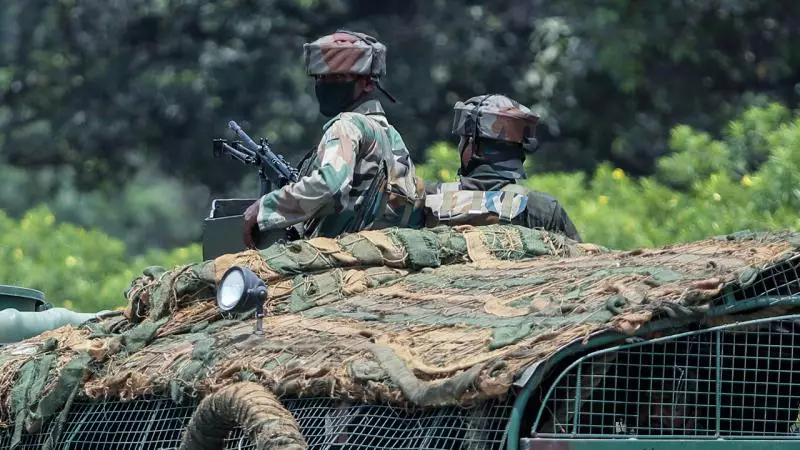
775	285
95	426
157	424
29	442
325	423
736	381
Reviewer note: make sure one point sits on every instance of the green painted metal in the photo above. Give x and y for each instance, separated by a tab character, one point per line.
602	339
718	383
17	325
767	301
20	298
222	229
657	444
729	307
750	336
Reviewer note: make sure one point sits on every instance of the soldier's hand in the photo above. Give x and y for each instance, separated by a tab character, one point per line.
250	224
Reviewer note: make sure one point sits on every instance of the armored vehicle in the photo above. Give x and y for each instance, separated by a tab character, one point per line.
495	337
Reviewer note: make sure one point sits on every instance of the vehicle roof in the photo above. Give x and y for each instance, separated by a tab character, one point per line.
427	317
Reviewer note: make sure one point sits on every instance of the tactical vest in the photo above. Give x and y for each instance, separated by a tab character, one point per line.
454	206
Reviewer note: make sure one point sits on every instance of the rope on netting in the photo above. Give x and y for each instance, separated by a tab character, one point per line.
245	405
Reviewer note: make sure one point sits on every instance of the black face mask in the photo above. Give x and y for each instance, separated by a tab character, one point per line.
334	97
500	159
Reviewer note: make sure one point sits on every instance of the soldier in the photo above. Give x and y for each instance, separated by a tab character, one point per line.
361	175
496	132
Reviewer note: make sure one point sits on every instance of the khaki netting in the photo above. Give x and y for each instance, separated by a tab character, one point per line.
423	317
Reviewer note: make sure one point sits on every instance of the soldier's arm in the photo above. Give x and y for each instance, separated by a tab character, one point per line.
324	187
546	212
566	224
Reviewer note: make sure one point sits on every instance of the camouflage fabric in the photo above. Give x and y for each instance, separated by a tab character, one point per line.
454	206
352	149
495	116
447	316
345	52
406	193
500	200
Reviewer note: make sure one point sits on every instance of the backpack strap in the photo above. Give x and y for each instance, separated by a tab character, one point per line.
450	187
511	200
448	191
477	202
515	188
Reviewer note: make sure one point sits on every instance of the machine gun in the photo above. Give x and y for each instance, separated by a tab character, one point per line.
261	155
222	229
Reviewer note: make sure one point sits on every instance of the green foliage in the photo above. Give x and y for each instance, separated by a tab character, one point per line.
441	163
151	210
108	91
76	268
747	179
706	187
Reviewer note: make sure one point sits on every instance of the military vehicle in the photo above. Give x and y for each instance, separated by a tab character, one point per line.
496	337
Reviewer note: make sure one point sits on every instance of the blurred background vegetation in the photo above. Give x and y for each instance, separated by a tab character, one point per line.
662	121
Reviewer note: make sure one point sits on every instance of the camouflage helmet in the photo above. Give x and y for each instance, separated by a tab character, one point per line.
495	116
345	52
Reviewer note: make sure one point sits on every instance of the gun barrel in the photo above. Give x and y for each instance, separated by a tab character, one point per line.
279	165
251	153
242	135
239	153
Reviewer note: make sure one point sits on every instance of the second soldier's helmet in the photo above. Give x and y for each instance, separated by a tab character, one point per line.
345	52
497	117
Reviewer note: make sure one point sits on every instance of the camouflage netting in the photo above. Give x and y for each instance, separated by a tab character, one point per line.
429	317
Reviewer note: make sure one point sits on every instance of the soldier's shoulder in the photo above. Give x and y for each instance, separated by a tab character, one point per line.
347	117
542	200
540	195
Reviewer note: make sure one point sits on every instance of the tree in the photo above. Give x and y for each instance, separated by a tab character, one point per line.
105	91
80	269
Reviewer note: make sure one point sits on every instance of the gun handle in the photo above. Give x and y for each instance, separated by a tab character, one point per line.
266	184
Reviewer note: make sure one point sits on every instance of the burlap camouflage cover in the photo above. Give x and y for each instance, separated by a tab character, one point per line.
425	317
345	52
494	116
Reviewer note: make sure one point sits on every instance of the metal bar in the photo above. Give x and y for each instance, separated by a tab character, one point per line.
753	303
606	437
149	428
654	444
652	359
718	390
577	400
514	426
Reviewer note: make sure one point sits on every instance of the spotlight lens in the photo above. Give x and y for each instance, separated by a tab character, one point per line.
231	290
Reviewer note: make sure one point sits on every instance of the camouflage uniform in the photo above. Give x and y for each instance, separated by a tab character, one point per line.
487	191
343	173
